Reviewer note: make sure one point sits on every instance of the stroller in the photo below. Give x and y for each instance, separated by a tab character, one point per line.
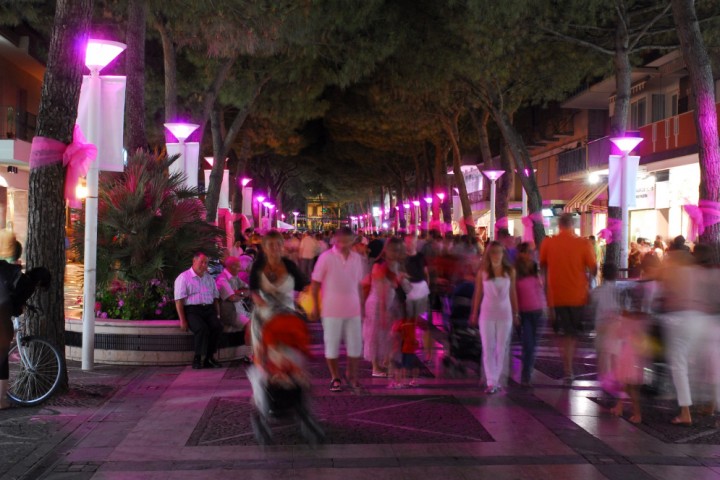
279	378
464	340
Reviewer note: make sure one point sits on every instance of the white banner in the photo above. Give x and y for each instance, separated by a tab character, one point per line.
112	114
192	157
247	193
224	201
622	171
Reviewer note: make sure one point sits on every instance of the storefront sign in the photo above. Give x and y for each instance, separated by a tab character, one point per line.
645	193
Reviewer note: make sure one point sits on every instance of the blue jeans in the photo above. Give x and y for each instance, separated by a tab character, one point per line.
530	323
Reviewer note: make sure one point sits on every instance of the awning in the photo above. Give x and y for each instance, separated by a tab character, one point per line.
582	200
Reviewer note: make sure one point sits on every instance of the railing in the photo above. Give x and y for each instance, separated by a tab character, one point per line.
598	152
572	161
16	124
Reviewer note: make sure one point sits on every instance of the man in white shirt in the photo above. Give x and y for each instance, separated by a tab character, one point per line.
198	306
339	271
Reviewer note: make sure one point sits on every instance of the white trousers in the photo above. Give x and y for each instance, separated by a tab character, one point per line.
495	337
685	336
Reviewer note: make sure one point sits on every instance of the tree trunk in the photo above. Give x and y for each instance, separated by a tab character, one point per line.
450	127
135	71
170	67
618	123
221	147
502	198
519	152
701	77
46	209
480	121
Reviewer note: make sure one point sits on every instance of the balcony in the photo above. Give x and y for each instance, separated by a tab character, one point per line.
16	125
572	161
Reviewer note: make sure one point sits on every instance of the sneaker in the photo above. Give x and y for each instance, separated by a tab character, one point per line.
197	364
210	362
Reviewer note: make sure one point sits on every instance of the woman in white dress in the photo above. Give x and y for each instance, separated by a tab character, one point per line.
495	308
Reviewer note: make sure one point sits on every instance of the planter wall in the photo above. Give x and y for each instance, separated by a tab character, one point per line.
145	342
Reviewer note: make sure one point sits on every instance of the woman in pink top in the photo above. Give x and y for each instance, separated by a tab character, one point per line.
531	305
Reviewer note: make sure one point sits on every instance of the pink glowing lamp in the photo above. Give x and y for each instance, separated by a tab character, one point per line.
428	200
441	196
416	203
99	53
406	206
244	181
626	144
260	198
181	131
493	175
210	160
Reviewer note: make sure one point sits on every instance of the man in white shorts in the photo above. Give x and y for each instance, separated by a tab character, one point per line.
339	271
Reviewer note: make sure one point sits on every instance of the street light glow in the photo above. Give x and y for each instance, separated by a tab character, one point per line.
181	131
416	203
626	144
428	200
99	53
244	181
493	174
441	196
260	198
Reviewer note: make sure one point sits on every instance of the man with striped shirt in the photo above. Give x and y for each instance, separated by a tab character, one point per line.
197	301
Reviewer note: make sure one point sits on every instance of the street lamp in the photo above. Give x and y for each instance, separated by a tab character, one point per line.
493	175
622	193
295	214
246	197
98	54
187	162
416	203
224	198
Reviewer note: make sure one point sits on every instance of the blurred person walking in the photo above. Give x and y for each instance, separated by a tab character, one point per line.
531	306
383	306
495	308
567	259
339	272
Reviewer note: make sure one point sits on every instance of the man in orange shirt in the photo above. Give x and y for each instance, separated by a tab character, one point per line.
567	260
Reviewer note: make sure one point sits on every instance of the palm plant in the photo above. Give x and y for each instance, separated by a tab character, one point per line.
149	223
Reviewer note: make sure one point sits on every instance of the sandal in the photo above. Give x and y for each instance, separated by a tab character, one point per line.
336	385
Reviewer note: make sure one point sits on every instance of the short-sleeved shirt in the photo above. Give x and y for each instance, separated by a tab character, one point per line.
340	278
195	290
227	284
566	259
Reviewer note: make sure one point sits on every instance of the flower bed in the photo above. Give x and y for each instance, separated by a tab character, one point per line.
145	342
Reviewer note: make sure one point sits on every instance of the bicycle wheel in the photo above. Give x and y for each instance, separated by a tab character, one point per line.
35	382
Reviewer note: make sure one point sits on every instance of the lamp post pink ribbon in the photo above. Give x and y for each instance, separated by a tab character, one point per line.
528	223
612	232
705	214
76	158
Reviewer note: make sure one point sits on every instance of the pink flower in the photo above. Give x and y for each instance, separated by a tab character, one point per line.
98	306
158	312
121	303
104	315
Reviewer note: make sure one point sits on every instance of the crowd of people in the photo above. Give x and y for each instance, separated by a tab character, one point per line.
379	294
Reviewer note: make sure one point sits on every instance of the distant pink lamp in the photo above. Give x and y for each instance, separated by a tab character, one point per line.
441	196
493	175
99	53
295	214
428	200
244	181
626	167
188	152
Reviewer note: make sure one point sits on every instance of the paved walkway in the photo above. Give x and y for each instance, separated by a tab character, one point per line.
175	422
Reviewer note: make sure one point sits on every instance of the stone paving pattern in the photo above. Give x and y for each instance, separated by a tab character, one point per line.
175	422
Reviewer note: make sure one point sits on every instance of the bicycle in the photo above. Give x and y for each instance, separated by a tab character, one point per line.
36	367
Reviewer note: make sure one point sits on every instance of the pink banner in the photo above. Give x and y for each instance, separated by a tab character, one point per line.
705	214
528	224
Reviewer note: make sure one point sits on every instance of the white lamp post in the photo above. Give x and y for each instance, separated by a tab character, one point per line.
429	201
295	214
98	55
416	204
493	175
622	177
187	162
247	193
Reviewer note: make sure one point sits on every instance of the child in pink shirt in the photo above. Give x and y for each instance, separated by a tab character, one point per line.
531	306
